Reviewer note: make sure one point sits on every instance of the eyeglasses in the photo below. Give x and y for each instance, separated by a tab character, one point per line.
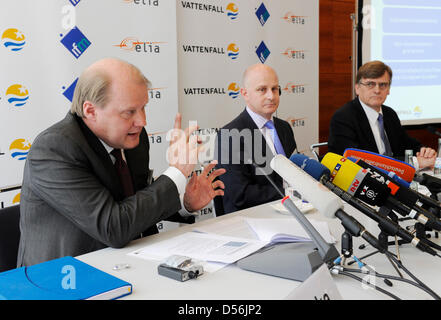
373	84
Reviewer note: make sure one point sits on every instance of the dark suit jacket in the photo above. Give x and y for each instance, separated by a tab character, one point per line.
350	128
72	201
245	186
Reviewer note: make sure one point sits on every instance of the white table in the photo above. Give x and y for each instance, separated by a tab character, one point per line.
231	282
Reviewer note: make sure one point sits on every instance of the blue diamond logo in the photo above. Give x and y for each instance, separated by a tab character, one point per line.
262	52
262	14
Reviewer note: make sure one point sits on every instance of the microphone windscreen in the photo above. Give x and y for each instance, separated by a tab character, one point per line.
343	179
390	174
321	197
310	166
402	169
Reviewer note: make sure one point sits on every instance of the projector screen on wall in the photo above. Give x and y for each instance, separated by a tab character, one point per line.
406	35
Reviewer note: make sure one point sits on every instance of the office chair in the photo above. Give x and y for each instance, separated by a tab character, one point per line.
9	237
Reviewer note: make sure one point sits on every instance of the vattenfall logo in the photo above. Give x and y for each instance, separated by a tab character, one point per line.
147	47
294	19
295	54
233	91
232	50
17	95
13	39
19	149
232	11
75	42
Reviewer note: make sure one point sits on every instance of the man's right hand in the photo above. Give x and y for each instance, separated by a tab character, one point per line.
184	149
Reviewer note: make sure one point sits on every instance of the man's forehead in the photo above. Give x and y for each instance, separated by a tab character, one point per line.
264	80
384	77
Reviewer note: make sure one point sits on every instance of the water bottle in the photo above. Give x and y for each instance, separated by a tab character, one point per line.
408	158
437	169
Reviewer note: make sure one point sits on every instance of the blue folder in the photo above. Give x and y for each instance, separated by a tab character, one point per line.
65	278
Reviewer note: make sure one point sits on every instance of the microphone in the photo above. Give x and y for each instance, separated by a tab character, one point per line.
375	190
404	194
433	130
402	169
431	182
319	172
321	198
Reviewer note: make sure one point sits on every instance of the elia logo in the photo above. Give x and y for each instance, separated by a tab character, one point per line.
155	93
150	3
13	39
292	18
294	88
262	14
296	122
262	52
75	42
133	44
17	95
69	92
294	54
74	2
19	149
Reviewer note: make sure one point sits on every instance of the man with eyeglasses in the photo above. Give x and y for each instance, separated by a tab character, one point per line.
365	123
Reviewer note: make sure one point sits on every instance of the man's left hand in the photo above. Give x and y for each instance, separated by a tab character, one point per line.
201	189
426	158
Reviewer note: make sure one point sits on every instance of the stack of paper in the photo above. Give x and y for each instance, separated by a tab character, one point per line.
287	230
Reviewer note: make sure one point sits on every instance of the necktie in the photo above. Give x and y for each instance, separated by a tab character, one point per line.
123	173
388	151
277	144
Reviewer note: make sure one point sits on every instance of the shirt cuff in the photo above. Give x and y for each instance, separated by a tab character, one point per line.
177	177
416	164
180	181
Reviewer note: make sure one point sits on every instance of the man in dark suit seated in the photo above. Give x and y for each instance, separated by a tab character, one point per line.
251	137
365	123
87	183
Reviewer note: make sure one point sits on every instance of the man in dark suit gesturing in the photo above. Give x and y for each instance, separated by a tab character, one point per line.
87	182
251	139
365	123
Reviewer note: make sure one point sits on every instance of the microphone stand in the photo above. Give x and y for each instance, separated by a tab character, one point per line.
383	238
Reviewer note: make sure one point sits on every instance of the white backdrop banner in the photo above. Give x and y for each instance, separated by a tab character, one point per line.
218	40
194	53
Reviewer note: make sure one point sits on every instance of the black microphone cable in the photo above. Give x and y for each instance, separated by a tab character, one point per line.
400	264
390	277
339	270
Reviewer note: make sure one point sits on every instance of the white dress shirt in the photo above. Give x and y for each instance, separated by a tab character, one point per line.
260	123
372	116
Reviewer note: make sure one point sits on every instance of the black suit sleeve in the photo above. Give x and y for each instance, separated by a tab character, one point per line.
342	133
